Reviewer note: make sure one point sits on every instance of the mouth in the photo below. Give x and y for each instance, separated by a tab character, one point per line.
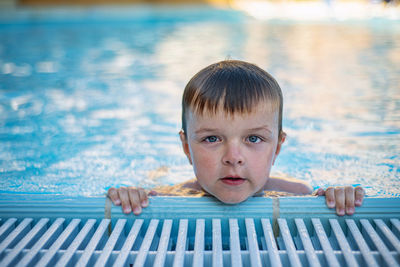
233	180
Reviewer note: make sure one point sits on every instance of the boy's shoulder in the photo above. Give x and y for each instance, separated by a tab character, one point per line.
288	184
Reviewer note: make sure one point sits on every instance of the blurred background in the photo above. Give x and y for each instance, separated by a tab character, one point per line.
90	90
260	8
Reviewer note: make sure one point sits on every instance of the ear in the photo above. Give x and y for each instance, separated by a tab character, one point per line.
185	145
281	140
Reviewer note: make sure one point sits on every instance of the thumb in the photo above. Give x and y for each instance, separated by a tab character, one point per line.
319	192
153	193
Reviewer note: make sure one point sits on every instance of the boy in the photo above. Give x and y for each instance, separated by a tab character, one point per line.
231	134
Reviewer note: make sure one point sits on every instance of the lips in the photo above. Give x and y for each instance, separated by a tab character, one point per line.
233	180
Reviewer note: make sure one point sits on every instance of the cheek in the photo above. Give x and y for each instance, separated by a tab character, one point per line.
203	161
262	159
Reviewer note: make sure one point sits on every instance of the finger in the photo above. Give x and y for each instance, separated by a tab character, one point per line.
320	192
359	195
340	201
330	197
135	201
143	197
125	201
113	194
349	199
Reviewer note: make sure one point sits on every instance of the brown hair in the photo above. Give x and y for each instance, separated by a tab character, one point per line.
235	86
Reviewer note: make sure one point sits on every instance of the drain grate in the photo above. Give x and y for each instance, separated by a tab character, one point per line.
200	242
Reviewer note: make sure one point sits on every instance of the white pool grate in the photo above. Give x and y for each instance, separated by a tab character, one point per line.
199	242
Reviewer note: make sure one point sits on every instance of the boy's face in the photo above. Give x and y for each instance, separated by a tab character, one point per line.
232	155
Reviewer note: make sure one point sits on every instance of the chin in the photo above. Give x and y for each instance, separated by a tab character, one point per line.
232	199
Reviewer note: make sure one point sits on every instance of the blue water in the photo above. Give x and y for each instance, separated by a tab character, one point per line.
90	98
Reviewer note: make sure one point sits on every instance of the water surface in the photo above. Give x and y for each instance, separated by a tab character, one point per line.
91	99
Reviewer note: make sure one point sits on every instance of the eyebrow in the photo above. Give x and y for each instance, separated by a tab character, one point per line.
262	128
205	130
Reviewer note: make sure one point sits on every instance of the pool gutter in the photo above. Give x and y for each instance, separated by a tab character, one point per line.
55	206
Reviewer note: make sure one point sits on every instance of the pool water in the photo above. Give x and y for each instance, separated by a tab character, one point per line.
90	98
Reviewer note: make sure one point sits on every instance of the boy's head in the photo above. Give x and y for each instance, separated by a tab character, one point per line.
233	86
232	128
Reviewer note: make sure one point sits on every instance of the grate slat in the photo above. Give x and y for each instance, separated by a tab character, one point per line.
16	234
362	245
38	229
273	254
217	260
148	238
253	244
181	243
388	234
85	231
7	227
308	247
87	253
287	239
236	259
326	246
112	240
344	245
163	244
124	253
67	233
54	230
396	224
198	256
387	257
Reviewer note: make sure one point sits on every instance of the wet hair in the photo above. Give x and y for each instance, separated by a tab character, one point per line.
233	85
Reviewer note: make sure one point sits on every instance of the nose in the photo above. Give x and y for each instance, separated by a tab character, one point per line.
233	155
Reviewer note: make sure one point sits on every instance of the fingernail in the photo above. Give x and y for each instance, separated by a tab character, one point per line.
331	204
137	210
145	203
117	202
350	210
127	210
357	202
340	212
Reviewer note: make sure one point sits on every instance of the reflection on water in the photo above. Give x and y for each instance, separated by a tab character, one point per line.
88	106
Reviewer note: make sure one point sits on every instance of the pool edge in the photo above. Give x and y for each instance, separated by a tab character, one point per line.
56	206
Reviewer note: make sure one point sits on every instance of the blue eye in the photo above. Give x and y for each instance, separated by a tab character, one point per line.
254	139
211	139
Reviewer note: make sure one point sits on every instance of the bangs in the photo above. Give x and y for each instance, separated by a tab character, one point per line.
232	94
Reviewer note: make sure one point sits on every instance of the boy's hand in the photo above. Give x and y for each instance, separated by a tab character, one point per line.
343	198
131	198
